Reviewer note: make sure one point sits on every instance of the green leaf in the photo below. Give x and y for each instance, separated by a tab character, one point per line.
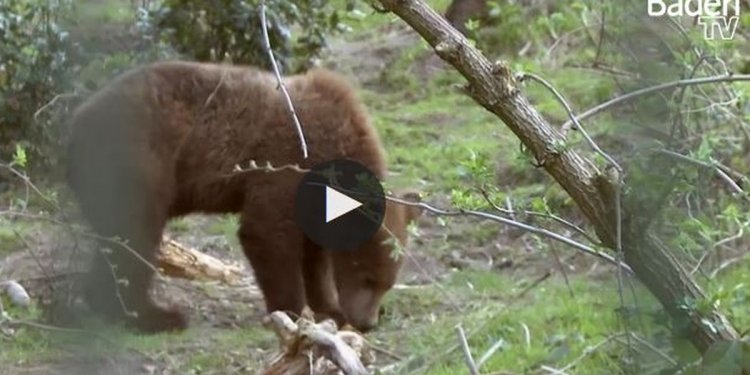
19	156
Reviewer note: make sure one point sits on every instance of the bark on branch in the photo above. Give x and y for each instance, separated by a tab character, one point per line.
493	86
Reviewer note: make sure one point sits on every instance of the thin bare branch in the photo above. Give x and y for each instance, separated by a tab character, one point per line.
653	89
713	166
572	116
282	87
516	224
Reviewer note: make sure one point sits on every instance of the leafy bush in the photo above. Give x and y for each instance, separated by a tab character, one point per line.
229	30
34	69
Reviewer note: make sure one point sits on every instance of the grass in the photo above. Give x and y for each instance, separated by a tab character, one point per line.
12	234
226	225
546	326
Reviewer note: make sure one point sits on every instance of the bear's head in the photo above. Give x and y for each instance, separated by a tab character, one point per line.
365	275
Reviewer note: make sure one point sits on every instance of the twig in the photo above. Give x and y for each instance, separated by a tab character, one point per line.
473	370
708	252
512	213
533	285
727	264
488	354
211	96
46	272
282	87
573	118
553	370
654	349
52	102
83	233
51	328
591	349
713	166
267	168
649	90
513	223
526	335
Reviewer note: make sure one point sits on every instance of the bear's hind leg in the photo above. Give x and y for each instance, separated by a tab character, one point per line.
132	210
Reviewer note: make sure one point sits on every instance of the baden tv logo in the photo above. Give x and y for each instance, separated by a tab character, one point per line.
719	18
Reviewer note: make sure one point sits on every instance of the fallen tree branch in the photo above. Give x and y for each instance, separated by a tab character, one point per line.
176	260
307	347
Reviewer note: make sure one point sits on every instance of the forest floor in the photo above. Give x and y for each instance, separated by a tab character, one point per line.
537	304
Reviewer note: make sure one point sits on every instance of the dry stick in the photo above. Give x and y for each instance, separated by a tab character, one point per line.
282	87
473	370
649	90
553	370
488	354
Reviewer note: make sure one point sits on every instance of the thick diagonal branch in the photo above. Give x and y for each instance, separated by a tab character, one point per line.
493	86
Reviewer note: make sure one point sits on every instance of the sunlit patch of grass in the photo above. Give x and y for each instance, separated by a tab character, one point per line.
179	225
227	226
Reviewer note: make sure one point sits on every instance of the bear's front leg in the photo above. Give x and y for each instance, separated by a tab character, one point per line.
273	245
320	288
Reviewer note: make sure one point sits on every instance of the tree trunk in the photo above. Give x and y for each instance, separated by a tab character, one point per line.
494	87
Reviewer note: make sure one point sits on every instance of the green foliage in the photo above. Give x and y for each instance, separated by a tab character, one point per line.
34	67
230	30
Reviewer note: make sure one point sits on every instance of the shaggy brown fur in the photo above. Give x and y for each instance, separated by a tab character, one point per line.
461	11
160	142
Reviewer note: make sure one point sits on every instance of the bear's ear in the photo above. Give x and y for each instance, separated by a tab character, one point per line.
412	212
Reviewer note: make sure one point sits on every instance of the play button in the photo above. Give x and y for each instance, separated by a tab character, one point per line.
339	204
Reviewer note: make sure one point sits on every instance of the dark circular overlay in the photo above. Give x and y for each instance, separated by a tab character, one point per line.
351	229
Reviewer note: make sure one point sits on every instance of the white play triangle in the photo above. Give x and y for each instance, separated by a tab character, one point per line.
338	204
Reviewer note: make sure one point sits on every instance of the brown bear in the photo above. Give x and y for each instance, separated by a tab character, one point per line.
161	141
459	12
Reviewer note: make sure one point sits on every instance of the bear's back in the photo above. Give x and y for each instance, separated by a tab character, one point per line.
189	124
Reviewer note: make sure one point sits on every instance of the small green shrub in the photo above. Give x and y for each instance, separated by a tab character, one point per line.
229	30
34	70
